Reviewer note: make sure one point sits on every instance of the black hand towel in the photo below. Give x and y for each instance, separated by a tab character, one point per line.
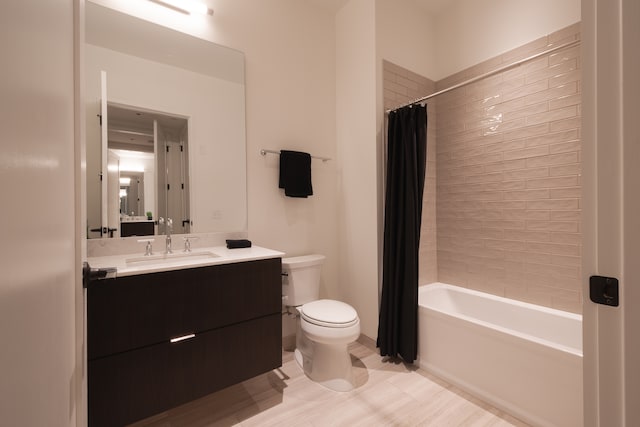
239	243
295	173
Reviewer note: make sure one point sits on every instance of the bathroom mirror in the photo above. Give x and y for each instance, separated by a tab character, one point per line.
150	90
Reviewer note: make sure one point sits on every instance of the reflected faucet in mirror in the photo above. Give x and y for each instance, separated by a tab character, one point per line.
168	228
148	249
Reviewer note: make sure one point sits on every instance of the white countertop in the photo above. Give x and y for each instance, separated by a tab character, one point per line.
132	264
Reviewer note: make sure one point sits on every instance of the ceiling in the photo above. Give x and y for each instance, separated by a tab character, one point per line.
433	7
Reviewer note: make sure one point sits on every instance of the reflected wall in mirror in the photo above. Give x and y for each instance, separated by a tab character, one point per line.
169	116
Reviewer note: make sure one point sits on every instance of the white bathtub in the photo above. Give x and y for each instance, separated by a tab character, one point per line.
522	358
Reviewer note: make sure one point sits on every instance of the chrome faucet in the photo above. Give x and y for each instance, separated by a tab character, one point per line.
168	228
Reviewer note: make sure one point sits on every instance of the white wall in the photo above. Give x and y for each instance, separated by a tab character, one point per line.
406	36
471	31
358	157
37	285
290	76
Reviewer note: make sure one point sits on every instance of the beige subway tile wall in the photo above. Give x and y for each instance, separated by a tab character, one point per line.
400	86
508	183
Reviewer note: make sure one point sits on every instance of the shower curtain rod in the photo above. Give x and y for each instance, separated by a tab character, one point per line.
489	74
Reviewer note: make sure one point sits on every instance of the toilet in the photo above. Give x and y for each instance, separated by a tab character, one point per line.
324	328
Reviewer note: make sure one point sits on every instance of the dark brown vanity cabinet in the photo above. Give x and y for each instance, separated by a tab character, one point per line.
135	371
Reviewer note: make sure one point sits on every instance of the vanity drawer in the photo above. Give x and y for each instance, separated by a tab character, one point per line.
137	311
137	384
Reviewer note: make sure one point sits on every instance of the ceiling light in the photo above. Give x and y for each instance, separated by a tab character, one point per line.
125	180
186	6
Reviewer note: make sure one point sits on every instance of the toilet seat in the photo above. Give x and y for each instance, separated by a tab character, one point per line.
329	314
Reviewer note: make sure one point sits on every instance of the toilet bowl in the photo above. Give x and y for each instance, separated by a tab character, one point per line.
324	328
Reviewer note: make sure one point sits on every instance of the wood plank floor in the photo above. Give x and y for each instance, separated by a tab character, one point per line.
387	394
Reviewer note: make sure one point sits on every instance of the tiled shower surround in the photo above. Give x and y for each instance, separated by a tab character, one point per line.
507	198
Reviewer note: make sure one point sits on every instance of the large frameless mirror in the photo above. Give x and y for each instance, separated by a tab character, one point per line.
165	129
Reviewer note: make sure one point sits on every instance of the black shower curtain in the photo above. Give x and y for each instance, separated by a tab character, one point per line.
406	164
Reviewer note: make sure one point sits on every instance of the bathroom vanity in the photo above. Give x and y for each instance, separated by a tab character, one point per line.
159	336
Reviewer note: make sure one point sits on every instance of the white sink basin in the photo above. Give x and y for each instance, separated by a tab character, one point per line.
174	258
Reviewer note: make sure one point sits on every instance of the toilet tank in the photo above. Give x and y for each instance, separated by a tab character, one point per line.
301	279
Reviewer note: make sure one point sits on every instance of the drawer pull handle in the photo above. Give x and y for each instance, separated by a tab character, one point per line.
182	338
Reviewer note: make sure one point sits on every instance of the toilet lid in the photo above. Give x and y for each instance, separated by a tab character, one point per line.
326	312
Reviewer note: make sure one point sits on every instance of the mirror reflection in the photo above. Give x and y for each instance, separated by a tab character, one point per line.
165	129
152	162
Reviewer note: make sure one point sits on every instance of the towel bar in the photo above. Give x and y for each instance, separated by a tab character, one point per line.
264	153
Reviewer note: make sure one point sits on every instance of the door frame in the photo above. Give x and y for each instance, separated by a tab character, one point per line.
80	210
611	213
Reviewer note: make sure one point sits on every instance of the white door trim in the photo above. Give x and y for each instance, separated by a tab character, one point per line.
611	213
